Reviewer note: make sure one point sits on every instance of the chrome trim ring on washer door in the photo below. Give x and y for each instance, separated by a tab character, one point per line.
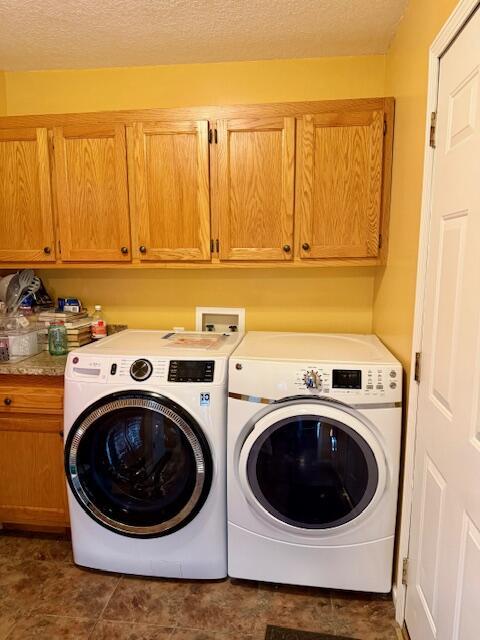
149	402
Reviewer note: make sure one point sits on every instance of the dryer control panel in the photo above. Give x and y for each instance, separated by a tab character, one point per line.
341	382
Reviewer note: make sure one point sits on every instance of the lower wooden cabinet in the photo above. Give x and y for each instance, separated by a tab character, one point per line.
32	481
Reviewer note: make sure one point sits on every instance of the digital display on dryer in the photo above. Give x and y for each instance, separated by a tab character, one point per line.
346	379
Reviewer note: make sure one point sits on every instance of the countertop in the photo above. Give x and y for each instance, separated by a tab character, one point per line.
43	364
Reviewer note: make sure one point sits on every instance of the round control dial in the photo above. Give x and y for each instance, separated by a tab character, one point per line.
312	380
141	370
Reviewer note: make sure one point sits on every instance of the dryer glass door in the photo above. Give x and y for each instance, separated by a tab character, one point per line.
138	464
312	471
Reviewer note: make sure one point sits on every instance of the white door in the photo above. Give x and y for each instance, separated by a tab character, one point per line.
443	593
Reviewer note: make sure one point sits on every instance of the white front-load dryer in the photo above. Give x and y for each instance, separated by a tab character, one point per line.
313	460
145	438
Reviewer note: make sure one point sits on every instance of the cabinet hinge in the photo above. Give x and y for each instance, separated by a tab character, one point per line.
418	359
384	127
210	136
380	241
433	128
405	571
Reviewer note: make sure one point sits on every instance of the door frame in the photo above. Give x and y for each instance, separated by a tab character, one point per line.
447	34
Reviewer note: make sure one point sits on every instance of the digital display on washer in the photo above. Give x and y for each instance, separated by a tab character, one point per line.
346	379
191	371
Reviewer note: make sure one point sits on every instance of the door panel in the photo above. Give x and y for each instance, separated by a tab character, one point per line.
26	218
92	200
340	184
171	200
433	502
468	587
444	549
256	188
32	487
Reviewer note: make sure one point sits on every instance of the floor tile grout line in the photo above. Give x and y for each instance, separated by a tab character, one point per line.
104	607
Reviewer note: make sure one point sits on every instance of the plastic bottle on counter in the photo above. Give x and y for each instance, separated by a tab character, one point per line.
57	339
99	326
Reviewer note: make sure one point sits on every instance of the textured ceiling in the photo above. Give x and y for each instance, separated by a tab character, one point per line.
49	34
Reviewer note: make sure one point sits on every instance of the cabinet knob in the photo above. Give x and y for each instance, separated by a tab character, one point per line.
47	250
143	249
7	401
287	248
124	250
305	246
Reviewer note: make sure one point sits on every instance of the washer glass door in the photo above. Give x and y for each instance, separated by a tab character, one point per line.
138	464
312	469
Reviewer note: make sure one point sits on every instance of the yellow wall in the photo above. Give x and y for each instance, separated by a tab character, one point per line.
194	84
3	94
287	299
281	299
406	79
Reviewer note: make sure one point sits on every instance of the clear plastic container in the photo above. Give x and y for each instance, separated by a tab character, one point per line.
20	343
18	338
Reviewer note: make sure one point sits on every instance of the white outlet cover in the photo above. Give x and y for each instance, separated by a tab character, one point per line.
221	318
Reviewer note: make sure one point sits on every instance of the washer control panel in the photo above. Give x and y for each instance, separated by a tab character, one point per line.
126	369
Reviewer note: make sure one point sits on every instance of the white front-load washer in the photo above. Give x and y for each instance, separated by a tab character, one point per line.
145	439
313	447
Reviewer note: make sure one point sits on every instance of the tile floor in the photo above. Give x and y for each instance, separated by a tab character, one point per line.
43	595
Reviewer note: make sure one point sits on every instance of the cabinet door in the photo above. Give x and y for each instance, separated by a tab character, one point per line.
91	186
340	184
26	220
255	173
169	169
32	481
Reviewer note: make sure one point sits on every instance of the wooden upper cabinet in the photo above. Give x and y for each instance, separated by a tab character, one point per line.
26	219
339	189
170	190
305	183
92	196
255	188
